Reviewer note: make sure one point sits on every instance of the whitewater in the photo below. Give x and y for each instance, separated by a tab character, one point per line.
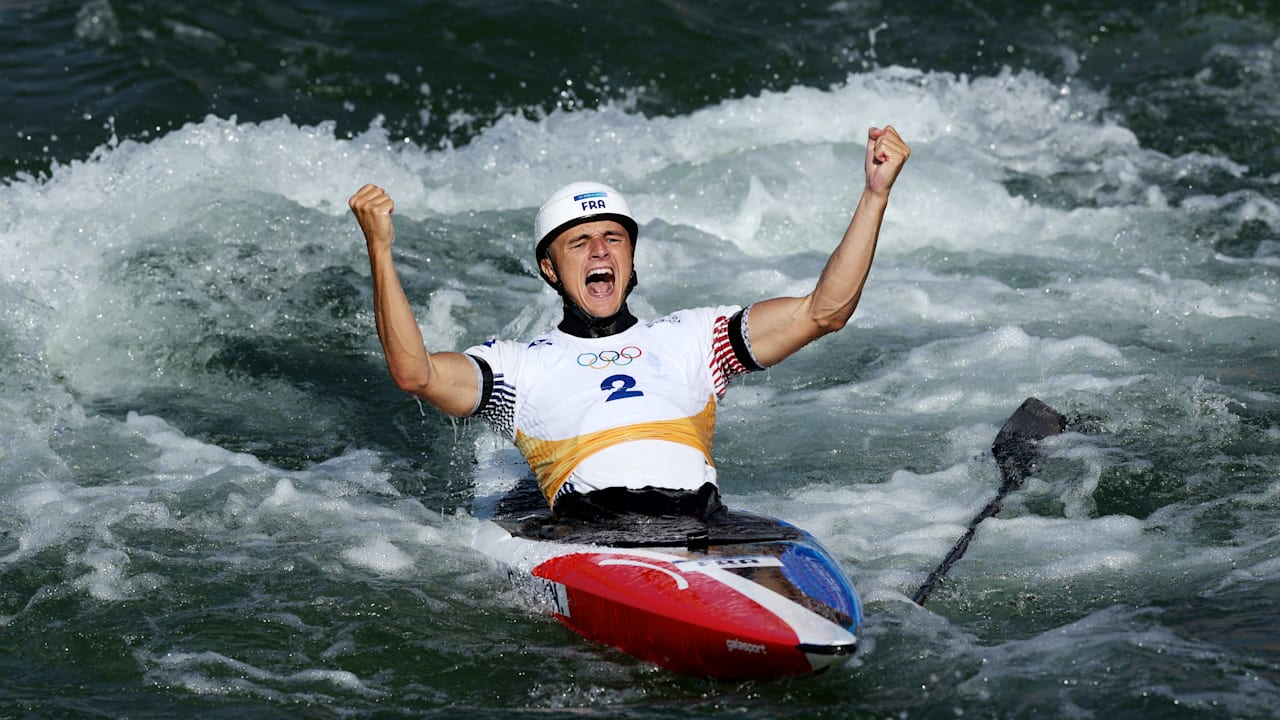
211	496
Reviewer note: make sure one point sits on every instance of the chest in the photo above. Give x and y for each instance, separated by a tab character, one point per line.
576	387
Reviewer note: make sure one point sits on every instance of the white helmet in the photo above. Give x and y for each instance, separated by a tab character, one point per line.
577	203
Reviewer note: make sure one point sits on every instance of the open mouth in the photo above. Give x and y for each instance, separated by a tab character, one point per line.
600	282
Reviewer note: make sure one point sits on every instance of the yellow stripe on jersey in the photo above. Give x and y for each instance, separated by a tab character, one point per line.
553	460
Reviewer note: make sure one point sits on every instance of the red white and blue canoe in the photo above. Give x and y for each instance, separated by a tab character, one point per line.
742	597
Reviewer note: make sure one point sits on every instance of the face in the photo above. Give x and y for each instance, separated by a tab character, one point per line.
593	262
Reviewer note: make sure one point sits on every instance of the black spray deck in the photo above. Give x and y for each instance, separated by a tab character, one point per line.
523	512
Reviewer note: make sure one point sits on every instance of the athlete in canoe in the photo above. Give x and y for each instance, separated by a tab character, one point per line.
614	414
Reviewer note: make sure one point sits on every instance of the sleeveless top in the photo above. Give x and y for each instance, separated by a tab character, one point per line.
635	409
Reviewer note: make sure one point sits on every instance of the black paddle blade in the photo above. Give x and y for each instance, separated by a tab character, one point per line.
1016	445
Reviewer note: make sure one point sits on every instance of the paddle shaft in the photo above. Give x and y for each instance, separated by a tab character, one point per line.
1016	453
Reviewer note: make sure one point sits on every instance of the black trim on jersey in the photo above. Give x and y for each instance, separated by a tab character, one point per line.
741	346
486	382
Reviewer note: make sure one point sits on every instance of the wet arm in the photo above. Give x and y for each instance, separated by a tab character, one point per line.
447	380
781	326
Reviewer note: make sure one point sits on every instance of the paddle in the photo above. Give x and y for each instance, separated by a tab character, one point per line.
1016	450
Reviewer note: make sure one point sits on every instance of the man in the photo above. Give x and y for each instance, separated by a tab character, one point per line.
612	414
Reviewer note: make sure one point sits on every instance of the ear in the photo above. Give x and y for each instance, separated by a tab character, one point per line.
549	270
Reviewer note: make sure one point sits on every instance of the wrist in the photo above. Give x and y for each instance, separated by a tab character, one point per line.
873	199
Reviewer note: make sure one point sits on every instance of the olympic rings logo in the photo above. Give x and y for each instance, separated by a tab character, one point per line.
606	358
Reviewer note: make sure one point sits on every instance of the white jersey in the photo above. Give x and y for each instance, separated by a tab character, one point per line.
636	409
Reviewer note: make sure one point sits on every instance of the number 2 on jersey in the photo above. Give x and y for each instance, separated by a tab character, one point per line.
622	386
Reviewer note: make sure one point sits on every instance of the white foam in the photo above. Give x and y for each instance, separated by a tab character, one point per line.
379	555
184	454
42	512
109	580
212	673
989	370
345	508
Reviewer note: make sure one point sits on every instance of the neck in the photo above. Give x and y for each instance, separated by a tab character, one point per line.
578	323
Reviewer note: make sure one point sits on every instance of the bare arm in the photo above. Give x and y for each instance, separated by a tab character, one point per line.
781	326
447	380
